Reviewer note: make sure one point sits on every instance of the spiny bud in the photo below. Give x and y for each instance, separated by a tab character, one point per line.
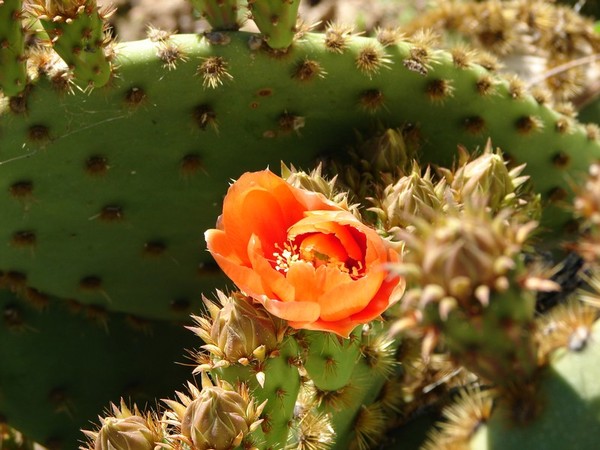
125	430
217	418
316	182
407	198
472	290
129	433
377	161
68	8
487	175
388	153
462	254
238	331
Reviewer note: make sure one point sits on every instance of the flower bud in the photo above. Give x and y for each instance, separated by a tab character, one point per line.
216	419
407	198
460	250
128	433
488	175
315	181
388	153
241	327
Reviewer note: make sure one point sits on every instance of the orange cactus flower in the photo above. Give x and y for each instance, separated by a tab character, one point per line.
302	256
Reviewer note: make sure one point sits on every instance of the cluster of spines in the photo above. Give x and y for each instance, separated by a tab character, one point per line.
77	32
74	30
523	35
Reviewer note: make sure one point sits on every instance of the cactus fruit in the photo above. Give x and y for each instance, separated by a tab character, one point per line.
114	159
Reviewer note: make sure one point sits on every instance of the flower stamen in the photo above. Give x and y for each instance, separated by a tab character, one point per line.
286	256
290	253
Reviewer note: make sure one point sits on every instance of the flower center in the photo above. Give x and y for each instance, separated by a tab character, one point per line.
318	249
285	256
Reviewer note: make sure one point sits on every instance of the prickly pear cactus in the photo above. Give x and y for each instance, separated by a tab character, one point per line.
138	126
115	158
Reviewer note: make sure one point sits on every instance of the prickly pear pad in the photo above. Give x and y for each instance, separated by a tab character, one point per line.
112	190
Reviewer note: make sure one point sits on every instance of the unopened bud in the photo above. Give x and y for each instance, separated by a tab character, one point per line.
487	175
216	419
129	433
412	195
241	328
388	152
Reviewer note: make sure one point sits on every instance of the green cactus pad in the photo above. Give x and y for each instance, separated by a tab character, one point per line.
77	35
276	19
13	68
105	196
276	380
330	360
570	398
60	369
221	14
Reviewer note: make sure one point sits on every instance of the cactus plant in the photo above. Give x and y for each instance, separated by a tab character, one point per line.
114	158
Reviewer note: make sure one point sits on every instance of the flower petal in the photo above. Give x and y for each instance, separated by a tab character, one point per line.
351	297
342	224
254	204
322	248
292	311
274	283
391	291
243	276
303	277
218	242
341	327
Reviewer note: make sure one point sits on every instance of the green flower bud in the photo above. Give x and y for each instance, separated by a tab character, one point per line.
125	429
128	433
488	175
236	331
216	419
241	328
388	153
462	254
316	182
407	198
